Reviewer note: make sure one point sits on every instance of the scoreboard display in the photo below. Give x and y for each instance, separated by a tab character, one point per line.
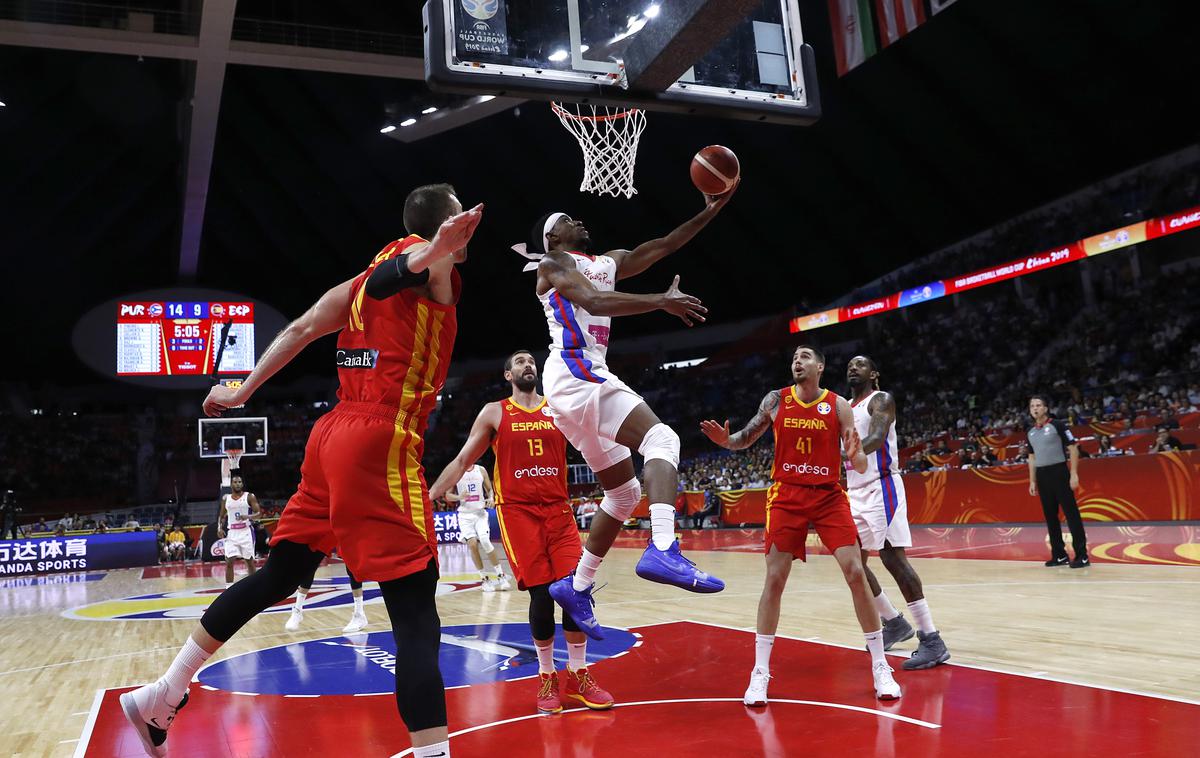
181	338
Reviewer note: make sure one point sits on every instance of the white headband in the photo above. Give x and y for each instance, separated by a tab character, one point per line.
522	249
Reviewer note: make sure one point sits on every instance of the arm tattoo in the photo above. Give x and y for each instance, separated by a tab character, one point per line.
754	429
883	410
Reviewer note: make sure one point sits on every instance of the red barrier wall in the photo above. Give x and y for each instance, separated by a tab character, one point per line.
1163	487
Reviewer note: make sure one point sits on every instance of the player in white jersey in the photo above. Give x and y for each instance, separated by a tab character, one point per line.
597	412
238	509
474	495
880	510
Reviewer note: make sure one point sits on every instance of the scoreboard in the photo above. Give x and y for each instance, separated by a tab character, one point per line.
170	338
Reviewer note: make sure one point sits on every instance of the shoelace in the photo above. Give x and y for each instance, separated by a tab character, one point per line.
585	679
548	683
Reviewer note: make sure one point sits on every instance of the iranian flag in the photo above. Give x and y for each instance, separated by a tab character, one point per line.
897	18
853	32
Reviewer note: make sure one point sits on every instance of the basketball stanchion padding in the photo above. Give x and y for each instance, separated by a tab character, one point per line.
608	138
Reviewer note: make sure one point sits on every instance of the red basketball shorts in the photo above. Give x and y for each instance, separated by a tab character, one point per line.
793	508
541	541
362	491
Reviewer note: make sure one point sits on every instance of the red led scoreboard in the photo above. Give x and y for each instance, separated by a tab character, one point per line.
169	338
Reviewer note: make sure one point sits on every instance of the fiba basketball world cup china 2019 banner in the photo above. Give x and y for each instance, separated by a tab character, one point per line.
48	555
481	26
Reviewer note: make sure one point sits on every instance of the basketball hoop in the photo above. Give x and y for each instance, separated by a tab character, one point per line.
609	140
231	462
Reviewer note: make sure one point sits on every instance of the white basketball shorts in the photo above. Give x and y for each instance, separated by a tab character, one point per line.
880	511
239	543
589	409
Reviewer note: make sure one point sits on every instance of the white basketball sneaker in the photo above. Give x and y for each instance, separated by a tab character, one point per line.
358	622
294	621
756	693
885	686
505	584
489	584
148	712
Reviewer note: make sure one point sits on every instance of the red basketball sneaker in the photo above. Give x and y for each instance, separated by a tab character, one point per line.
548	700
582	687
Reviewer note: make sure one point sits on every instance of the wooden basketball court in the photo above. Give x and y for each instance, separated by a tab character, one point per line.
1098	659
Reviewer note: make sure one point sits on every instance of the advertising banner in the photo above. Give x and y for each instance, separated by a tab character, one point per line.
47	555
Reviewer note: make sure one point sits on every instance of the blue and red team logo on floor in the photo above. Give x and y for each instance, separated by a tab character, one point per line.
364	664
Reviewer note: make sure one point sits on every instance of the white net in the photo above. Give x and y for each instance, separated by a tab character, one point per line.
230	463
609	140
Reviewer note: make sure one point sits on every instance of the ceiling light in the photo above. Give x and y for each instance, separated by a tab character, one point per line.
583	48
558	55
408	122
2	104
429	110
486	98
651	12
387	129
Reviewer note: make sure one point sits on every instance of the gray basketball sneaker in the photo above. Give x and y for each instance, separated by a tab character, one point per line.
930	652
896	630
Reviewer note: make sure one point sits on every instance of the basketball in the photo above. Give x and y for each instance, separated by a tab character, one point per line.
715	169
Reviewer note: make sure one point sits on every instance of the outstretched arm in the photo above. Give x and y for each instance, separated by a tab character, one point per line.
558	272
326	316
883	414
749	434
483	431
633	262
852	446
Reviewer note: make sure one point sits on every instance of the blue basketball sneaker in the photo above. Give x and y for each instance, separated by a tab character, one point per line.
578	605
670	567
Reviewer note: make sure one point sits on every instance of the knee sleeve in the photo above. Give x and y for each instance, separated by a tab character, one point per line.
619	502
288	564
485	543
541	612
661	443
420	694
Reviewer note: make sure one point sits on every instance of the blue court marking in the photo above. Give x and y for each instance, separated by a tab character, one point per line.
361	664
45	579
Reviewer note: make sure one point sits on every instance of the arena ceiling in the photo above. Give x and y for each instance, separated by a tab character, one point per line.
990	109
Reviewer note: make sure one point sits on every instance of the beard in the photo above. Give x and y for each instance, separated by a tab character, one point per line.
525	383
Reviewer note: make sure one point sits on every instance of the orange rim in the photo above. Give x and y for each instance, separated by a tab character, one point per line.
561	111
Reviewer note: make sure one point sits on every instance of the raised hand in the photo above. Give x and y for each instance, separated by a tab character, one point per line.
716	432
220	399
715	203
686	307
455	232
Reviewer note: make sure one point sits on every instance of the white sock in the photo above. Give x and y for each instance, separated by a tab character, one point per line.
662	525
483	574
875	645
883	604
183	668
301	594
585	572
763	644
358	606
440	750
545	657
576	655
924	619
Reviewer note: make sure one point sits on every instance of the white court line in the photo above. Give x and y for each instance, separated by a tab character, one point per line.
63	742
81	713
1106	688
86	735
738	700
960	549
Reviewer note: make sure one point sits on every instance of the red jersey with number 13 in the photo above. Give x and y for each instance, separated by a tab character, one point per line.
808	440
531	456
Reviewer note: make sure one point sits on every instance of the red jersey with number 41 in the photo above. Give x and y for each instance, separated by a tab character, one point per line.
531	456
808	440
396	351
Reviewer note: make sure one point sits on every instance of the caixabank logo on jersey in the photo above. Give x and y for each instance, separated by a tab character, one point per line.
365	664
332	592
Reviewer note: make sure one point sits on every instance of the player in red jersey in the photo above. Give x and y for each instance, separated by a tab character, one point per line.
808	422
361	484
536	521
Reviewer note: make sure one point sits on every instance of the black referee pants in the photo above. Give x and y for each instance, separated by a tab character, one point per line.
1054	487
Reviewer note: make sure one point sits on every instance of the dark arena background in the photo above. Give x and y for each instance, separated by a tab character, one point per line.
985	209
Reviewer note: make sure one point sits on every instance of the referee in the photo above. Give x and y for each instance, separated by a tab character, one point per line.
1050	445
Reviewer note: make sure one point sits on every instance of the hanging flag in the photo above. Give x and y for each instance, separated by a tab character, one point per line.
853	32
937	6
897	18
